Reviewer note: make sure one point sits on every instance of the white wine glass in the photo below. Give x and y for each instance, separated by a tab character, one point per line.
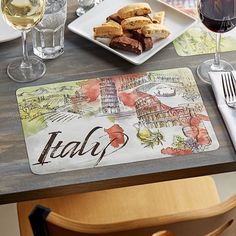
23	15
218	16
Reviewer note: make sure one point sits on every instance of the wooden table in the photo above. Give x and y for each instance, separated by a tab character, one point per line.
83	59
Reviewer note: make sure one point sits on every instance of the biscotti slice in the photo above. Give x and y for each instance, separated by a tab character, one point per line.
127	33
126	44
134	9
146	42
115	17
135	22
155	30
159	17
109	29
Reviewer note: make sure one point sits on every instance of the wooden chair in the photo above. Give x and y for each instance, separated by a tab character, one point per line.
187	207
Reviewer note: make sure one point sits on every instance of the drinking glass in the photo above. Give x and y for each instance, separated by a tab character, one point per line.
48	34
84	5
23	15
218	16
98	1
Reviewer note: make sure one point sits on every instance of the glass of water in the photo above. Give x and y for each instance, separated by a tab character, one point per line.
98	1
48	35
84	5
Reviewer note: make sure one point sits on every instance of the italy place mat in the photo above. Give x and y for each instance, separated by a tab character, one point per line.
114	120
198	39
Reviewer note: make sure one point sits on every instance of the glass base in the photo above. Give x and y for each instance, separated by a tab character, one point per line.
98	1
82	10
208	66
48	53
24	74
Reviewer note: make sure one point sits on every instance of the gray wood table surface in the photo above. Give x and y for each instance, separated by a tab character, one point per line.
81	60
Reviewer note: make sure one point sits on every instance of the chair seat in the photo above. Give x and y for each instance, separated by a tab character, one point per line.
128	203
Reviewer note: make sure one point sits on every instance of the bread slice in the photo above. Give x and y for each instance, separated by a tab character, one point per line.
127	33
159	17
109	29
146	42
134	9
114	17
126	44
135	22
155	30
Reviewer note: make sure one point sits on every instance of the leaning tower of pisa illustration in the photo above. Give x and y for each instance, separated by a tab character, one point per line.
109	98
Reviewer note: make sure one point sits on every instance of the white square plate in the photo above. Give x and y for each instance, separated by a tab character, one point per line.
7	33
176	21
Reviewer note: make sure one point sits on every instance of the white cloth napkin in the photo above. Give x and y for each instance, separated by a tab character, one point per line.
228	114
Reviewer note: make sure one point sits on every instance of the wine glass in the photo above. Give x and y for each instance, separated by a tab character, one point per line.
23	15
218	16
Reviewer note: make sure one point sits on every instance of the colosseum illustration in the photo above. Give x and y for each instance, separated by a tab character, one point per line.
153	114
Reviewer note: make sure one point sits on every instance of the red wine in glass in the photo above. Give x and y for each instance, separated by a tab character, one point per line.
218	16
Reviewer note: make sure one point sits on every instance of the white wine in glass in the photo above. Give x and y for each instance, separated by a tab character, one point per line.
23	15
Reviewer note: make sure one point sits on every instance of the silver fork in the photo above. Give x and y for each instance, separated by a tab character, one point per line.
229	88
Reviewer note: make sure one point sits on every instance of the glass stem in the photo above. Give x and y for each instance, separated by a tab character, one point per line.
25	63
217	53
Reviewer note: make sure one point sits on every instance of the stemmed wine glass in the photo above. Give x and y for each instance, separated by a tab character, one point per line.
23	15
218	16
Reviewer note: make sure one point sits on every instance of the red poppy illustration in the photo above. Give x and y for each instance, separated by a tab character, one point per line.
116	135
91	90
191	131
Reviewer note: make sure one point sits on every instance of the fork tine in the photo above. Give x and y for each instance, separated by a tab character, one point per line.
233	84
228	82
231	88
223	84
227	87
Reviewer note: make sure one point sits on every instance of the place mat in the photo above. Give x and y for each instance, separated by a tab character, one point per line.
114	120
198	39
